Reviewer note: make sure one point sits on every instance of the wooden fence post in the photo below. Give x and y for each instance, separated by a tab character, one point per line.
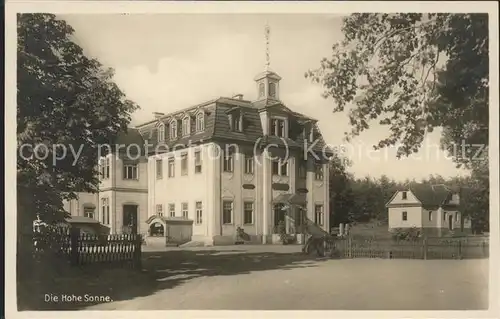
74	237
138	252
424	247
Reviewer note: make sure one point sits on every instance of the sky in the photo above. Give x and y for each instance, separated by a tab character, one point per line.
165	62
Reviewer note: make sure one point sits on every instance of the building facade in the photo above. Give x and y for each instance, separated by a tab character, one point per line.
224	164
435	210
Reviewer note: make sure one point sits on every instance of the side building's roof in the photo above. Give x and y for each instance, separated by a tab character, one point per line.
429	196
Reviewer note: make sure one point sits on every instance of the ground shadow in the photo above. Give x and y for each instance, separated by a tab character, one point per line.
160	270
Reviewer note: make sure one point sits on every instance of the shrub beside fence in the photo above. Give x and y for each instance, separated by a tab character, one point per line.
426	248
85	249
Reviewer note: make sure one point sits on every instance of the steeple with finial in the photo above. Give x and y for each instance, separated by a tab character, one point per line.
267	81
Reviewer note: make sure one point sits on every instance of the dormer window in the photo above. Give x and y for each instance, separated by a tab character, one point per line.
192	124
405	195
161	132
236	120
200	122
185	126
278	127
173	130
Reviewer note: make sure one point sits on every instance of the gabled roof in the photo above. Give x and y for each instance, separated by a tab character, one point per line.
427	195
430	196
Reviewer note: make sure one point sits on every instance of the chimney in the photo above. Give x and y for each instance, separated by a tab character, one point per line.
157	115
238	97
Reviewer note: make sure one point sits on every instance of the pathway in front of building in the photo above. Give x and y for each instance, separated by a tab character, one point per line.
278	278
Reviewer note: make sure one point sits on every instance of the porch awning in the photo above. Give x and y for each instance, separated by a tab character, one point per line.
294	199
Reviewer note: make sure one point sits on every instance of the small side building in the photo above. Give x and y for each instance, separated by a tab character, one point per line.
434	210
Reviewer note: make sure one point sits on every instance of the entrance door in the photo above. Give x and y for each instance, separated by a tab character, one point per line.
450	222
279	214
130	219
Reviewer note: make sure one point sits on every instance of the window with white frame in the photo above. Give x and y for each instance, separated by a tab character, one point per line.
318	171
227	212
404	195
249	164
248	212
319	214
237	122
130	171
184	164
197	161
185	211
278	127
171	167
200	122
89	212
430	216
104	167
171	210
445	215
105	210
404	215
159	168
161	133
185	126
173	130
228	161
279	167
456	217
159	210
199	213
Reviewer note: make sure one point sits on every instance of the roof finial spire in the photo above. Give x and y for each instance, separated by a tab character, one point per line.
268	59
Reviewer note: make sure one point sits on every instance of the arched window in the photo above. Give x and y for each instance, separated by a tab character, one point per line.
200	122
185	126
173	130
161	132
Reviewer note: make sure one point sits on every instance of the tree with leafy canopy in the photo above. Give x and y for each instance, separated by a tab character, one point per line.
341	195
414	72
63	98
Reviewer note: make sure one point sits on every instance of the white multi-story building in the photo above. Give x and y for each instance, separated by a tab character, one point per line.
222	164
